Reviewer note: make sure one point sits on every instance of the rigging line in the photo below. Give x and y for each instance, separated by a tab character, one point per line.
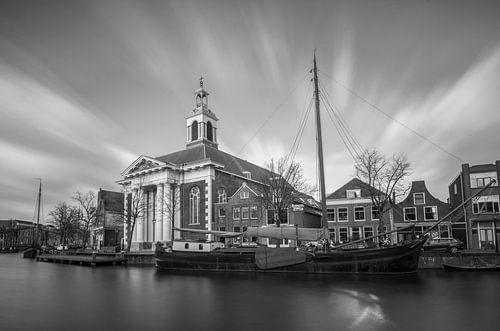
272	114
341	119
346	138
301	127
345	128
293	151
395	120
340	134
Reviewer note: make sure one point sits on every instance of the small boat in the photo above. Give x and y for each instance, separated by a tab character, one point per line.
477	265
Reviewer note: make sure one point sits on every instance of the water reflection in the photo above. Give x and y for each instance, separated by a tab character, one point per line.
36	295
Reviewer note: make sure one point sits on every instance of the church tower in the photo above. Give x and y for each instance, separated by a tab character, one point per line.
201	123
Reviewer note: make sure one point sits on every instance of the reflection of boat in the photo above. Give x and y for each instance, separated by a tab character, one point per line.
477	265
213	256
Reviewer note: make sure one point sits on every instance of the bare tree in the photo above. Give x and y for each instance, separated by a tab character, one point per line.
87	207
385	178
172	206
65	218
284	184
134	210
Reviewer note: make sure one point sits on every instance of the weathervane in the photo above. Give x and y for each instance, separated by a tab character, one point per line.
201	81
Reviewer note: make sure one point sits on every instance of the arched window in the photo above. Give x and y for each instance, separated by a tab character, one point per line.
194	131
221	195
210	135
194	205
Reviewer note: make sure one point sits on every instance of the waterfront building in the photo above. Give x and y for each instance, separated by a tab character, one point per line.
351	214
108	230
19	234
477	223
423	210
199	188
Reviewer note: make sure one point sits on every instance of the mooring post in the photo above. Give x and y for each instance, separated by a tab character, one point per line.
93	263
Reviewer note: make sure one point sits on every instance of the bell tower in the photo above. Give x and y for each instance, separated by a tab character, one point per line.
201	123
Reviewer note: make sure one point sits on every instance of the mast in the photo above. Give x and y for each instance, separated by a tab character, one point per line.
39	201
324	222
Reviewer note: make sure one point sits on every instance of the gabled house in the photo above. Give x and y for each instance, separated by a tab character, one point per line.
423	210
351	214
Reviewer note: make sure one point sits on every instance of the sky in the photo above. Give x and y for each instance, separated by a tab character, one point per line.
86	87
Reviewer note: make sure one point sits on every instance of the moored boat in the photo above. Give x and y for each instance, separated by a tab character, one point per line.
477	265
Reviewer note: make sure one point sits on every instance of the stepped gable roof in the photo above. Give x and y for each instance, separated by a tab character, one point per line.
353	184
232	164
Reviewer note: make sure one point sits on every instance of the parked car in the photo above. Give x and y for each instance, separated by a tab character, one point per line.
443	244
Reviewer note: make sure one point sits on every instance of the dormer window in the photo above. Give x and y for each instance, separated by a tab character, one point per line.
354	193
247	174
244	195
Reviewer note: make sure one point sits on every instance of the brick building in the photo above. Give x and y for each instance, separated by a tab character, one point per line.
424	210
213	190
109	219
477	223
351	215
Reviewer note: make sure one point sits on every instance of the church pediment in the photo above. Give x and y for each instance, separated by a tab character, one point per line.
144	163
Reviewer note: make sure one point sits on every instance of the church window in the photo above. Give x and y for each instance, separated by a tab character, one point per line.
221	195
210	135
194	131
194	205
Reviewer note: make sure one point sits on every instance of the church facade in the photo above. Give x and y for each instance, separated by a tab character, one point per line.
197	188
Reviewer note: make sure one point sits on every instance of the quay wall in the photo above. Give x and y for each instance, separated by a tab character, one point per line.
141	259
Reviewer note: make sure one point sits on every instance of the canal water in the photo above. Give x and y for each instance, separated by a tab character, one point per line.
46	296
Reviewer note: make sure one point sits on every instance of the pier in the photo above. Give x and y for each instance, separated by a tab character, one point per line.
93	260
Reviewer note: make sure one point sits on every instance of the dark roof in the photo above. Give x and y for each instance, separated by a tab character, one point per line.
353	184
232	164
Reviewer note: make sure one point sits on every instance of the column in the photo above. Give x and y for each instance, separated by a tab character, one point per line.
159	212
166	208
138	204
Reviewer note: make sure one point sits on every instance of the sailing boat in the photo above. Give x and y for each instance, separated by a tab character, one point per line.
31	252
214	256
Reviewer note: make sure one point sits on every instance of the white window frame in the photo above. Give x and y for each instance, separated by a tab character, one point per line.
347	215
254	208
247	211
194	205
244	195
346	232
222	209
371	213
359	219
354	193
485	199
415	201
481	179
221	195
236	210
329	212
431	219
404	214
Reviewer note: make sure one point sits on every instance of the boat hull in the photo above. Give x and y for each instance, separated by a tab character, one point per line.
387	260
454	267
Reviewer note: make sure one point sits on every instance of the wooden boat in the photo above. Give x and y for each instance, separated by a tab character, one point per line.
212	256
477	265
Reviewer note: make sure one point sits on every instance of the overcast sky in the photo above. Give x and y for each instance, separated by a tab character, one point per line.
86	87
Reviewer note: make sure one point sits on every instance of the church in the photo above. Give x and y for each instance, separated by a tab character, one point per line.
201	188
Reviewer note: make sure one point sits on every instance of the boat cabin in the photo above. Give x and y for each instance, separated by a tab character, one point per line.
193	246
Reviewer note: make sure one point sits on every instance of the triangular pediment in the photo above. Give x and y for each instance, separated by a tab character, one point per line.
245	187
144	163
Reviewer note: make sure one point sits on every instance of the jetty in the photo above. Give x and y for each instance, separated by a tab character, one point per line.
93	260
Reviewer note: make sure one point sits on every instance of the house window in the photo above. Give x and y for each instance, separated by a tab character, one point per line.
368	232
247	174
375	213
330	215
355	233
485	204
343	235
455	189
222	212
353	193
359	213
244	195
410	214
221	195
253	212
332	235
418	198
342	214
270	217
430	213
244	213
236	213
284	216
482	179
194	205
